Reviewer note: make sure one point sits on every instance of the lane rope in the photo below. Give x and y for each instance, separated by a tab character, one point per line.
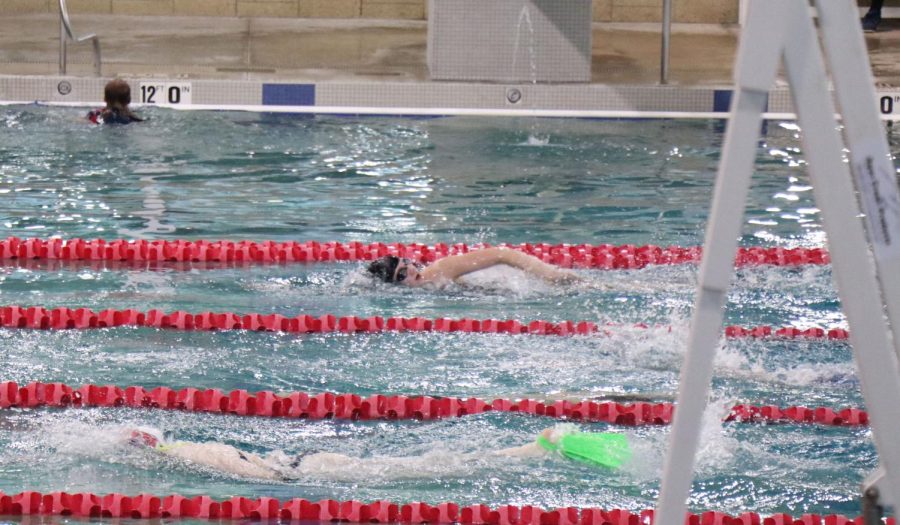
149	506
301	405
602	256
40	318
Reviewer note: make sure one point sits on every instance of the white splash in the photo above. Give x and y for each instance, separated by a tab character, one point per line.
525	17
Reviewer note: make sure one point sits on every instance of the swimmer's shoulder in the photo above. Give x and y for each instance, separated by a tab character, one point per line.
108	116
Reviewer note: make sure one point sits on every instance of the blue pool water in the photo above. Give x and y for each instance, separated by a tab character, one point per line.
252	176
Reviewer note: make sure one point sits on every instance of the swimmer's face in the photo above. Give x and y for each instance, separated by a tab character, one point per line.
407	272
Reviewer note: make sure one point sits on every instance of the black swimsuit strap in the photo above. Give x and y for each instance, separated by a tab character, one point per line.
299	457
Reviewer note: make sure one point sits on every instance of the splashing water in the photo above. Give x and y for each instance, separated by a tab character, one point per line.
525	17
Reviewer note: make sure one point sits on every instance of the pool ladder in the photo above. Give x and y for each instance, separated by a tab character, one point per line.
66	33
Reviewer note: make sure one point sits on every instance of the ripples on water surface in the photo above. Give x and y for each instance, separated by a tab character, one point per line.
443	180
251	176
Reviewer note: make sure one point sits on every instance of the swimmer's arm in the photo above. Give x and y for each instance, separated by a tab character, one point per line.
458	265
530	450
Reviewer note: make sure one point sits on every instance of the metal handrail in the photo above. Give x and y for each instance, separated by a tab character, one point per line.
666	42
66	33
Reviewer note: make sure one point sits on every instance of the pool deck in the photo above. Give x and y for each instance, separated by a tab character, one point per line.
323	50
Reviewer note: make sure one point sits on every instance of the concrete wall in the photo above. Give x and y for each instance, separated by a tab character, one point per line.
701	11
707	11
691	11
401	9
694	11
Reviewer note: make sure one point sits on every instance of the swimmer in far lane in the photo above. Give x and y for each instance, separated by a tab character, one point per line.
605	449
392	269
117	95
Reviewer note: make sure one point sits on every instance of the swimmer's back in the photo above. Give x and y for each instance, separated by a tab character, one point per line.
221	457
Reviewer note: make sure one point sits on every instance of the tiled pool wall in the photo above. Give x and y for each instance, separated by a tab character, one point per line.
427	97
473	40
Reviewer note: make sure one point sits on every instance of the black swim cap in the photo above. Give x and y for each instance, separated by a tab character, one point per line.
384	268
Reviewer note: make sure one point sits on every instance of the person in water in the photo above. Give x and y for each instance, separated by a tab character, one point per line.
392	269
117	95
604	449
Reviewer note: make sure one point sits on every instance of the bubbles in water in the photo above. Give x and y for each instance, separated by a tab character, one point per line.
501	278
435	464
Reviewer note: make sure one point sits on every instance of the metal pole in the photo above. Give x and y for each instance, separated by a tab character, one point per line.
97	60
62	43
872	511
666	42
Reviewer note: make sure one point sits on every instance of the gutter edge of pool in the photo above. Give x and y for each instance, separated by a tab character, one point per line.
410	99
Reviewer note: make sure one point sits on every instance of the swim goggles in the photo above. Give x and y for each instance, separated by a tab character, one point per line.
403	272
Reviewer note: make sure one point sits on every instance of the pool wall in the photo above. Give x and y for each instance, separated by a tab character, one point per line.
425	98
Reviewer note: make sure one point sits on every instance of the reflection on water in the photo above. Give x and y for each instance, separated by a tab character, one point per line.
223	175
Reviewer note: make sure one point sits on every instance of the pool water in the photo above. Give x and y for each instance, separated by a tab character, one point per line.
220	175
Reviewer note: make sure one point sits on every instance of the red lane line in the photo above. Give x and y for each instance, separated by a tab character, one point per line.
149	506
377	406
40	318
602	256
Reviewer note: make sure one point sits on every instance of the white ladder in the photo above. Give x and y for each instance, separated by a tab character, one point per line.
777	29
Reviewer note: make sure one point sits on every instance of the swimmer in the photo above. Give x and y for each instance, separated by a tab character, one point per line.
117	95
392	269
216	456
604	449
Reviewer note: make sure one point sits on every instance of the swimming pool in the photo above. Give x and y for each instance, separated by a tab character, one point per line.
257	176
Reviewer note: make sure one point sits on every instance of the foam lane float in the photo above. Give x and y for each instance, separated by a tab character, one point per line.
326	405
40	318
149	506
600	256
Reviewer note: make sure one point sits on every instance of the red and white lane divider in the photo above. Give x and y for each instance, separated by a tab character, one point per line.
149	506
300	405
40	318
602	256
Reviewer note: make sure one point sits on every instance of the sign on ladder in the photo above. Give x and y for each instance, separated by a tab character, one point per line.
784	29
